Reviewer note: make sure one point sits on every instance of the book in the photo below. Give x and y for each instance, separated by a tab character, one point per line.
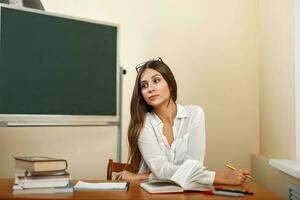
40	163
43	183
41	179
17	189
47	173
81	185
44	176
184	179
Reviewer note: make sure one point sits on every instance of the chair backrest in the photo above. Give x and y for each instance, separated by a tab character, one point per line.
116	167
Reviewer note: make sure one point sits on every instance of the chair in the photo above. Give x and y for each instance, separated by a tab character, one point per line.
116	167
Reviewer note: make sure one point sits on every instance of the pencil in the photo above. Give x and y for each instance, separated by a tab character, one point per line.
233	168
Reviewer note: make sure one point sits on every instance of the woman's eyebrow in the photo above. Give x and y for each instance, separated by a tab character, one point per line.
151	78
155	75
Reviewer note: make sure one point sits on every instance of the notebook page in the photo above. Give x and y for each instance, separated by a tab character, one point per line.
184	172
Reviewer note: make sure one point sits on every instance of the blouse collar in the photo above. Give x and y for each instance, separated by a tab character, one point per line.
181	113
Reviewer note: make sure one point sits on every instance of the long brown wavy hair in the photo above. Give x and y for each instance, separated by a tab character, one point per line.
139	108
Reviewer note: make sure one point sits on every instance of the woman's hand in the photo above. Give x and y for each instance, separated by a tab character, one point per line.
126	175
237	177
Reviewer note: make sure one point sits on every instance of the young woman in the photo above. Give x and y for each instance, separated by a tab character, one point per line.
163	134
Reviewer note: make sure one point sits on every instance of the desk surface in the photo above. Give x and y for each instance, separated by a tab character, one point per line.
135	193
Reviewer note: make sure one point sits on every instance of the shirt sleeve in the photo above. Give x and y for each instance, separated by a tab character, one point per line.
153	155
196	144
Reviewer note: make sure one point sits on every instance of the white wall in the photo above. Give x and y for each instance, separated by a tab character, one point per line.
297	73
213	49
277	95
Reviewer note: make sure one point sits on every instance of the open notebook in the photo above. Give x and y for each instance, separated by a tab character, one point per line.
184	179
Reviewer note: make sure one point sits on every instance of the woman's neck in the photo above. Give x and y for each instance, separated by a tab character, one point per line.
166	112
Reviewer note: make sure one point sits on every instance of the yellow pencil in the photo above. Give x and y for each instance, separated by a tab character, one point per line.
233	168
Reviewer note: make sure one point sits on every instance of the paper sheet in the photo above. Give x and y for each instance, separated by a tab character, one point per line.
102	186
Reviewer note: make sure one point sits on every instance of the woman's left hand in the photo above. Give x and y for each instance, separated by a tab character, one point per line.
126	175
236	177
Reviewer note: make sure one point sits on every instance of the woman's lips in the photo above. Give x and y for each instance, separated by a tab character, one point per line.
153	97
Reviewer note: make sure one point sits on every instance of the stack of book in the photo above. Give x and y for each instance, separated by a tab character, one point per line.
39	174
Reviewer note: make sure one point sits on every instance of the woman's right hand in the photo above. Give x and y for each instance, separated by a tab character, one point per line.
126	175
237	177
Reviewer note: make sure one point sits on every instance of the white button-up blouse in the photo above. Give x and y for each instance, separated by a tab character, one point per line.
161	159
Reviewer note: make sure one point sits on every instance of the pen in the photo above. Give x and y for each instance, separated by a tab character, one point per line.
233	194
224	193
233	168
233	190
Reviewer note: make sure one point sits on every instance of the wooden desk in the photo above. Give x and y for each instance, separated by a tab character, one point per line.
135	193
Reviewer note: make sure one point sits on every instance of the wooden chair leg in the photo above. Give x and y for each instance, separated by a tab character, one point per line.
109	169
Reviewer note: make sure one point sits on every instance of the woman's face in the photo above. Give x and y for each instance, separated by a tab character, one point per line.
154	88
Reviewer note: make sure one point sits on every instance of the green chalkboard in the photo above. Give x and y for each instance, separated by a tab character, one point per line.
54	65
